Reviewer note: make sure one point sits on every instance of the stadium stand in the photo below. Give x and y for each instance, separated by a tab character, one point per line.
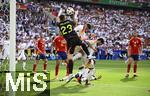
114	25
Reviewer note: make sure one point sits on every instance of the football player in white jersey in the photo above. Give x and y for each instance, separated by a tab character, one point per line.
82	29
87	70
5	52
92	47
85	73
82	32
21	53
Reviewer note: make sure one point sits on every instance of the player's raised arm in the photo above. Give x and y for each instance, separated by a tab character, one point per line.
59	14
73	17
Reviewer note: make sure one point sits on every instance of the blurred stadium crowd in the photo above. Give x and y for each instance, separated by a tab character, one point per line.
114	25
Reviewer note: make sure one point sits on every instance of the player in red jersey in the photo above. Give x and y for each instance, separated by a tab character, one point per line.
134	50
61	47
41	53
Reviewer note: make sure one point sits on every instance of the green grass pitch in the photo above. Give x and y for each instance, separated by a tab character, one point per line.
112	82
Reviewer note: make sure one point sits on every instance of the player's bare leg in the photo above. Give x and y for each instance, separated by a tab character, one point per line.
35	65
57	69
67	71
45	66
130	60
135	69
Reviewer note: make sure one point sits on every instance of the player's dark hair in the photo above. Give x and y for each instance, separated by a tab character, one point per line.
36	37
7	38
89	26
101	40
62	17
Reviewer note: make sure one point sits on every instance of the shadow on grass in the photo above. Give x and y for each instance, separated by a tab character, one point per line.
44	93
128	79
54	80
63	89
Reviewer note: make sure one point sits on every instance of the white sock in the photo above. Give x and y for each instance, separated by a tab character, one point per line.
24	65
77	56
134	74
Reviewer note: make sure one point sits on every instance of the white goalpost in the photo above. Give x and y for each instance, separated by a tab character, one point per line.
12	63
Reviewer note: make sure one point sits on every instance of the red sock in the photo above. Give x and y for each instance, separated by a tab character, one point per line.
45	66
128	69
34	67
135	68
56	69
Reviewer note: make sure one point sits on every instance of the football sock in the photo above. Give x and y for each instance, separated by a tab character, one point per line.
135	68
34	67
56	69
129	66
45	66
70	66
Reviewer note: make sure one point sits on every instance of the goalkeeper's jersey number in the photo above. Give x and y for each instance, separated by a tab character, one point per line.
66	29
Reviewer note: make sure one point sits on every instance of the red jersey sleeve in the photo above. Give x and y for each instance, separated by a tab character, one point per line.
60	44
